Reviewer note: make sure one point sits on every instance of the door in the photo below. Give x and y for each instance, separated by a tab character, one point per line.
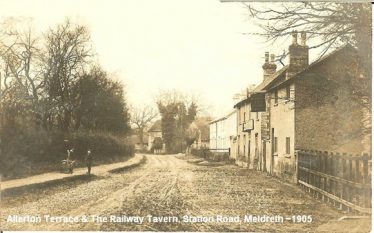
264	155
257	161
272	152
249	152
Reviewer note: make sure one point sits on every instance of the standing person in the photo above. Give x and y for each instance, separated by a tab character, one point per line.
69	161
89	161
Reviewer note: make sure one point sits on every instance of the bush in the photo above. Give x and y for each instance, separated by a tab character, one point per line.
28	148
203	153
220	156
157	144
103	146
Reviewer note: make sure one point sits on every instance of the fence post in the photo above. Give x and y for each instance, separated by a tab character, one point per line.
344	176
350	178
296	176
365	160
324	170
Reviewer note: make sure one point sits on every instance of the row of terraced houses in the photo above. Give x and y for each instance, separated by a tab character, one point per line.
301	106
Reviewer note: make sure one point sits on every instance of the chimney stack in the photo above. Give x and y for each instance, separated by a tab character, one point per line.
298	55
269	68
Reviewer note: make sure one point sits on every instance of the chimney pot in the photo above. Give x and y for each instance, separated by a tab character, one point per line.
272	58
294	37
303	38
266	57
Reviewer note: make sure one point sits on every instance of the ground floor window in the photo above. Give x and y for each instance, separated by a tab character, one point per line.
288	145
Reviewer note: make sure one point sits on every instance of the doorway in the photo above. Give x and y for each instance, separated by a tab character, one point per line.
272	151
264	155
257	161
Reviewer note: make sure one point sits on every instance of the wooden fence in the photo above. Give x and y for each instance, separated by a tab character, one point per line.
223	150
343	180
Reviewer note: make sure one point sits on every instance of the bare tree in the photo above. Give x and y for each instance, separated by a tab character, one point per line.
141	118
68	52
331	23
20	66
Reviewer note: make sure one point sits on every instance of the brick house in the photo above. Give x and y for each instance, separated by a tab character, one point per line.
305	106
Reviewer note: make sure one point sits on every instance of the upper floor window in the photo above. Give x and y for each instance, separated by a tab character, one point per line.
275	145
239	116
288	93
276	97
244	117
288	145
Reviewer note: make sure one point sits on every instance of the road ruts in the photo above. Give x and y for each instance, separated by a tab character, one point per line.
98	197
167	185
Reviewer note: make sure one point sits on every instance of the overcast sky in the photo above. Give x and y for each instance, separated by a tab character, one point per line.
196	46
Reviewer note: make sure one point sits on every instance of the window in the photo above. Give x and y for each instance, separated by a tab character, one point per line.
249	148
288	145
275	144
244	117
288	93
272	140
276	97
257	116
239	112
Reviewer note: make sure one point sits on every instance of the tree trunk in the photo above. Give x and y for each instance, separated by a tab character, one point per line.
140	135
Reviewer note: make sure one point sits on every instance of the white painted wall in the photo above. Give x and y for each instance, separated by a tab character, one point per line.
221	131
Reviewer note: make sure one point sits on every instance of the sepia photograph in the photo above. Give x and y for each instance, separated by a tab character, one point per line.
185	116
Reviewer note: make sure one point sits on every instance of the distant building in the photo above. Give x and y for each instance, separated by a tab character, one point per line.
137	142
222	133
154	132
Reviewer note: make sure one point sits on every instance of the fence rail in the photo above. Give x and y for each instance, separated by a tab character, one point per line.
219	150
341	179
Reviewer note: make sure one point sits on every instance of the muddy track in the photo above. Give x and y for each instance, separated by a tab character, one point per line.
98	197
166	186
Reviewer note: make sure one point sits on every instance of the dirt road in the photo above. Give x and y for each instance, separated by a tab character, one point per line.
179	196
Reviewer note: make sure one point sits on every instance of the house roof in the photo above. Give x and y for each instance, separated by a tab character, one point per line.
222	118
135	138
156	127
263	85
314	64
279	77
272	79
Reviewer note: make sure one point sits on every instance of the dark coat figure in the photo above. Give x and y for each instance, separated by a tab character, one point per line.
89	159
69	161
